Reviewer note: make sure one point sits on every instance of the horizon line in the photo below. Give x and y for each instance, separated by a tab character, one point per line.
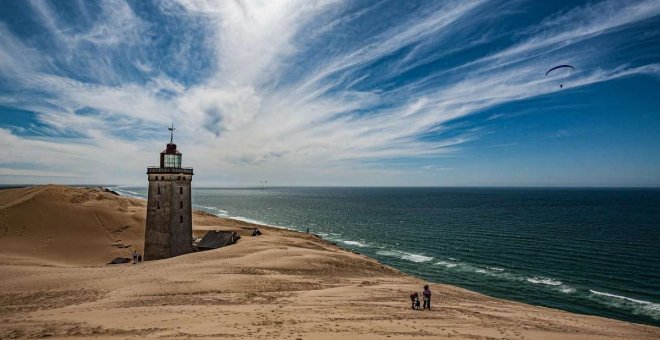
9	186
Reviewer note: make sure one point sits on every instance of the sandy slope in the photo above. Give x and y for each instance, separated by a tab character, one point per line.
68	225
54	241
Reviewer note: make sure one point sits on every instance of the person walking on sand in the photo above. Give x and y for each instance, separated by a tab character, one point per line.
135	256
427	297
139	258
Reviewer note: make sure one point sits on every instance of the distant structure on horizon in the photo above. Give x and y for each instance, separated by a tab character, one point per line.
169	206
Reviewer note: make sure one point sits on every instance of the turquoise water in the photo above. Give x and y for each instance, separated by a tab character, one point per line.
591	251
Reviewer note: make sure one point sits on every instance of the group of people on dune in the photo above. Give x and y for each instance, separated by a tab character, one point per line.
414	298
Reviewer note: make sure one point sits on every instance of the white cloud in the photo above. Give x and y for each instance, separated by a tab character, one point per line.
250	119
36	173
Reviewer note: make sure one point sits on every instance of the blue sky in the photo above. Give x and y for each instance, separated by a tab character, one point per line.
332	92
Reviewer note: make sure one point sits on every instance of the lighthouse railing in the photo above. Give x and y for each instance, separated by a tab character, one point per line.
159	170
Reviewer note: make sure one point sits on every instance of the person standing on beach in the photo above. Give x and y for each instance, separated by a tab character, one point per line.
427	297
135	256
414	299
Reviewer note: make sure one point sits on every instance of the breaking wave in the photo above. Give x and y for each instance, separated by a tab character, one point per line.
501	273
636	306
127	193
216	211
447	264
354	243
544	281
567	290
417	258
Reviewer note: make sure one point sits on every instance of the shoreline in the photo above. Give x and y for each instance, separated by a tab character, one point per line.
412	275
261	287
260	224
590	293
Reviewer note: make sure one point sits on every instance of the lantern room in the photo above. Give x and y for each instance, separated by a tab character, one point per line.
170	157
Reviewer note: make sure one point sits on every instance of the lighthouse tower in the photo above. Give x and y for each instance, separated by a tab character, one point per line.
169	206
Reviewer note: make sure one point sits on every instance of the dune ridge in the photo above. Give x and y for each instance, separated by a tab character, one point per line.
55	241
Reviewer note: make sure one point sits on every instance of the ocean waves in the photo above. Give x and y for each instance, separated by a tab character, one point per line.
507	275
635	306
355	243
447	264
416	258
544	281
213	210
385	251
127	193
549	284
336	238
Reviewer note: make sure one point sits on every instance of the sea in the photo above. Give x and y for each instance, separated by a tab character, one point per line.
590	251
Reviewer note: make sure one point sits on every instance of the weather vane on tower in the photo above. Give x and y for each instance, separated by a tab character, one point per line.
171	133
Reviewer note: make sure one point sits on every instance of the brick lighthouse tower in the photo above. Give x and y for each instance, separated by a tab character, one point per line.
169	206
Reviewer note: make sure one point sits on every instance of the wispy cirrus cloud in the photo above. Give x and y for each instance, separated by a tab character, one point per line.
301	92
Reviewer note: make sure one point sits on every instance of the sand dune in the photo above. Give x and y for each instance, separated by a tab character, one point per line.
68	225
76	226
55	240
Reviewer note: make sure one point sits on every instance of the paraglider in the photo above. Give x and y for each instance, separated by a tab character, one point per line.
559	67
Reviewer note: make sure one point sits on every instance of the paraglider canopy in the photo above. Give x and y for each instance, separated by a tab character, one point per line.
559	67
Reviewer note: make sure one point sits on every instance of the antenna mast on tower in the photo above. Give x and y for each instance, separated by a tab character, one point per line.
171	133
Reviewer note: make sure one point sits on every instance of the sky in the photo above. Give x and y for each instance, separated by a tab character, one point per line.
332	93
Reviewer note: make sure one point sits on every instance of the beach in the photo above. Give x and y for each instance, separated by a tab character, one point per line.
55	242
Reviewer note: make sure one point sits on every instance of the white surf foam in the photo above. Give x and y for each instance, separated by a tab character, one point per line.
497	269
637	306
642	302
566	289
544	281
127	193
355	243
206	207
447	264
249	220
417	258
132	193
216	211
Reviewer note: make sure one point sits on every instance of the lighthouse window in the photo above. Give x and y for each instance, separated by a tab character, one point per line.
172	161
180	204
157	204
159	190
181	219
181	190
